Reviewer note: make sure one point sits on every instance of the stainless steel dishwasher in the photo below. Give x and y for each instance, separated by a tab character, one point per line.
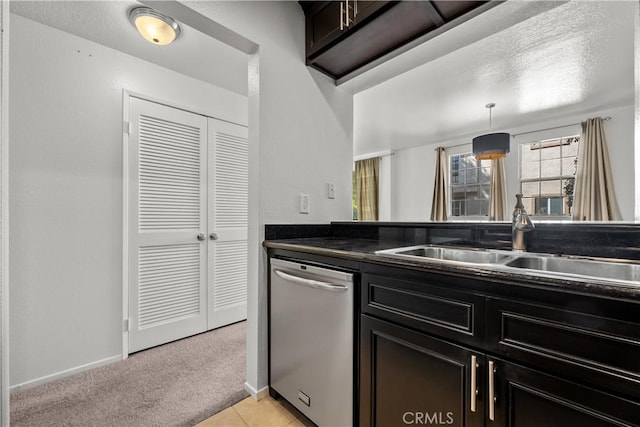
311	340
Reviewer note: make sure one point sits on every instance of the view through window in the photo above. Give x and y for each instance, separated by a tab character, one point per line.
547	175
469	185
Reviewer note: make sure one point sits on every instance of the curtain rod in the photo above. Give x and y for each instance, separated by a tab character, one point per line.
554	127
451	146
522	133
373	156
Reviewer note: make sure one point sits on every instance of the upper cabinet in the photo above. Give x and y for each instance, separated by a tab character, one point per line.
342	36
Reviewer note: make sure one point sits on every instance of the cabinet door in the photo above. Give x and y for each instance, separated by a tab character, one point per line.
323	25
529	398
428	303
410	378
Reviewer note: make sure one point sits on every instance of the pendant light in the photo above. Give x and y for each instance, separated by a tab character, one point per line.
155	27
491	145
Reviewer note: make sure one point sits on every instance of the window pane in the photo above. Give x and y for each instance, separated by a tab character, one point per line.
458	193
572	148
568	166
529	155
556	206
550	152
551	188
485	191
469	161
527	202
474	207
542	206
530	170
550	168
530	189
485	175
468	197
472	176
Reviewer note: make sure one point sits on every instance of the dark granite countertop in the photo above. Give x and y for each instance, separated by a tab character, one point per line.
363	250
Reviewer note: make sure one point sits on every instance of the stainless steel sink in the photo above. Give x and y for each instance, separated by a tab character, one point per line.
578	266
444	253
525	263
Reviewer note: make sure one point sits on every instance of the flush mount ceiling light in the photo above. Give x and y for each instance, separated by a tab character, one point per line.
154	26
491	145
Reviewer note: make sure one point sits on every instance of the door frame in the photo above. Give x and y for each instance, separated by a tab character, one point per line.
126	99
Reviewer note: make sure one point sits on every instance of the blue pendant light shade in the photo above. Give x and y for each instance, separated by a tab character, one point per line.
491	145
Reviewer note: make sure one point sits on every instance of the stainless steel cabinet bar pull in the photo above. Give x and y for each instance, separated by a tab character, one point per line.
474	381
341	16
492	392
201	237
347	20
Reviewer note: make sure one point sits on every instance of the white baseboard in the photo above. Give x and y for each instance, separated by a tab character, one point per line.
63	374
256	394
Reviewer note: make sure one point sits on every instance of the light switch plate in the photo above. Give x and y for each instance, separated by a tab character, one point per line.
331	190
304	204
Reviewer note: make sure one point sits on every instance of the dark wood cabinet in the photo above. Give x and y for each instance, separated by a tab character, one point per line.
342	36
534	364
411	378
439	310
328	21
531	398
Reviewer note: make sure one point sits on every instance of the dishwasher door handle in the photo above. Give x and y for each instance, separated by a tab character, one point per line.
311	283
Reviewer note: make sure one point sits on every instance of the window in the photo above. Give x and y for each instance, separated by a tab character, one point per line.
547	175
469	185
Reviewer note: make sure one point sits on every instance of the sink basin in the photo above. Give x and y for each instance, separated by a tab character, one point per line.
577	266
525	263
444	253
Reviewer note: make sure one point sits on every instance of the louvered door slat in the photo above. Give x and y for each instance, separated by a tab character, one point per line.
162	166
167	158
228	218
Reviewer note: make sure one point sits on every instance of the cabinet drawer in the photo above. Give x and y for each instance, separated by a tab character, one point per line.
425	306
590	348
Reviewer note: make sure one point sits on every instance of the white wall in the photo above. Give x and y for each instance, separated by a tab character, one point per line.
304	126
66	199
301	126
412	184
4	215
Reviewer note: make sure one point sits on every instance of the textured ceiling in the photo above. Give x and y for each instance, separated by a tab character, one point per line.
575	57
106	22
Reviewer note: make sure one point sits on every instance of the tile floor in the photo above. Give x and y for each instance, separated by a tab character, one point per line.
266	412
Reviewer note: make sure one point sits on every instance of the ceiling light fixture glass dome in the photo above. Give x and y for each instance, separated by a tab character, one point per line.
155	27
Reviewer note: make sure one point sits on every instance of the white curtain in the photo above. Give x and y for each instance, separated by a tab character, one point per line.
498	194
594	198
439	204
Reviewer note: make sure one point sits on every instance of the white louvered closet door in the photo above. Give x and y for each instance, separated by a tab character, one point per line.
167	224
228	223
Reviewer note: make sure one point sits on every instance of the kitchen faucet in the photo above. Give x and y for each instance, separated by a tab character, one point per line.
521	223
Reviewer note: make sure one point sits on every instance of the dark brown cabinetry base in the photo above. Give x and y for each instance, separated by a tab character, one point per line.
419	364
530	398
410	378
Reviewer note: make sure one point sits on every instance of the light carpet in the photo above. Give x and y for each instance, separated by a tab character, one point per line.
176	384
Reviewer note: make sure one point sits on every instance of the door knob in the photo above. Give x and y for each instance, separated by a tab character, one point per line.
213	236
201	237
